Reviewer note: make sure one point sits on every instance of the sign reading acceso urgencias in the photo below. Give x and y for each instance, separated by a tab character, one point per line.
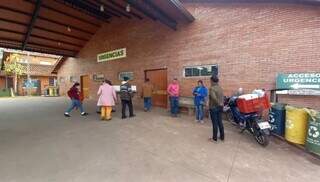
298	81
112	55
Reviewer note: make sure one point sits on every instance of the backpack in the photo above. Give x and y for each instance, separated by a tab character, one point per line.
69	93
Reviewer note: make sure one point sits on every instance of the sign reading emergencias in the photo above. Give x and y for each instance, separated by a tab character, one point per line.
112	55
292	81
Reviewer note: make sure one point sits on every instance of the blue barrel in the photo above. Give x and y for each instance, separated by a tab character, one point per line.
277	119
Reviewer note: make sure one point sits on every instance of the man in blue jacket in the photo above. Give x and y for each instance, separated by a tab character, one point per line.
200	94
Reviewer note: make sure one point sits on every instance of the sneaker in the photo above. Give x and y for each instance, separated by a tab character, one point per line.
197	121
174	115
212	140
66	114
84	114
201	122
123	117
132	116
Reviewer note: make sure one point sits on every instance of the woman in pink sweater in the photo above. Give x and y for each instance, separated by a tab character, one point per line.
107	99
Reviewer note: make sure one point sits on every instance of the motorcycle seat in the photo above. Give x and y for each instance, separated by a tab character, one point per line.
250	115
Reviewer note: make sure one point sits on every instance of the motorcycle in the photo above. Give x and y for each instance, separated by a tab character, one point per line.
251	122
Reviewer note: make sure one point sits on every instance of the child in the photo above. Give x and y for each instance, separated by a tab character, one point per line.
74	95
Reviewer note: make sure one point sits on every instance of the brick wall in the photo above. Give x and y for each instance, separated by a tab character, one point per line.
251	43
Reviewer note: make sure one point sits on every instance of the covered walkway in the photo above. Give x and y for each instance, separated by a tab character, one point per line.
39	144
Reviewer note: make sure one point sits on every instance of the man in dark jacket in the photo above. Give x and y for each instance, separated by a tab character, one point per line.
74	95
216	106
126	95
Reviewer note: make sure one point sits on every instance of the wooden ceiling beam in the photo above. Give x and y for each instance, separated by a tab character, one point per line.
66	25
87	9
45	29
152	11
177	4
31	24
122	8
67	14
12	44
55	40
41	37
52	47
135	4
112	8
96	7
48	20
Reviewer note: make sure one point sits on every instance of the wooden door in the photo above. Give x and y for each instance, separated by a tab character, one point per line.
85	86
38	82
159	80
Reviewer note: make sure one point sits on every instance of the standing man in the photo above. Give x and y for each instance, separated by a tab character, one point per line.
126	95
174	93
216	106
74	95
147	90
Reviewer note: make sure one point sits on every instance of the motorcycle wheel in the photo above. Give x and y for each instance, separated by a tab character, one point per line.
262	138
229	116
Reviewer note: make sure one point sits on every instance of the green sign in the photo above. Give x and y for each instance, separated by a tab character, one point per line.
292	81
112	55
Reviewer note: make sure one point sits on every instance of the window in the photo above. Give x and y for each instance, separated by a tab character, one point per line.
126	74
32	83
197	71
51	81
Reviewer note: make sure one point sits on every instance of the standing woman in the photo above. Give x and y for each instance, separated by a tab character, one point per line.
107	98
200	94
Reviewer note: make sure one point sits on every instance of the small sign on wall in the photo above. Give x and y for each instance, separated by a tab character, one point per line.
112	55
98	77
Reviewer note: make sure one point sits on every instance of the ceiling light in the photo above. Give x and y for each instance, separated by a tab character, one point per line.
59	43
128	8
69	29
101	8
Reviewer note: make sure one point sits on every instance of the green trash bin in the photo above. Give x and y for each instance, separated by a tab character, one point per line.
54	92
277	117
313	136
50	91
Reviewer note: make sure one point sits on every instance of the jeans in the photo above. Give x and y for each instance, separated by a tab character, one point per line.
174	105
126	103
147	103
199	112
75	104
216	118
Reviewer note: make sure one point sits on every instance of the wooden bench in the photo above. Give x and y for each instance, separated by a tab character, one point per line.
188	103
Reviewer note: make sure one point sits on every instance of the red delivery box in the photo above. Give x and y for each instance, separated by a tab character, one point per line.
252	103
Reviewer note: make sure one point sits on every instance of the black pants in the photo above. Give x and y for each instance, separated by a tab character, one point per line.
126	103
216	118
